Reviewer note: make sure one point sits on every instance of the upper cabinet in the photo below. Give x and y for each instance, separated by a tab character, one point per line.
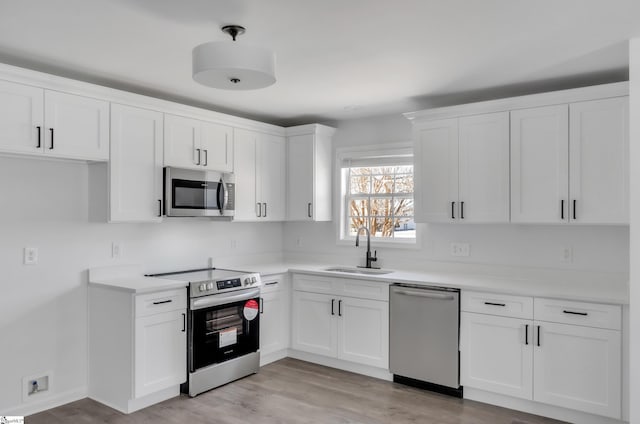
135	166
259	161
195	144
462	169
309	150
52	123
560	157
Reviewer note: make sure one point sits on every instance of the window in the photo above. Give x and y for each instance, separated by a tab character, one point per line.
378	194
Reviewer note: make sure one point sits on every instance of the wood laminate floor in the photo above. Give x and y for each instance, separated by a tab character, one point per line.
292	391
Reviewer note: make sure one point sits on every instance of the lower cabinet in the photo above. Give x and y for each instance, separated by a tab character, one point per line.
350	328
574	362
137	346
274	317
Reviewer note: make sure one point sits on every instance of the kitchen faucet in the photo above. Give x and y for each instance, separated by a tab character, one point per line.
369	257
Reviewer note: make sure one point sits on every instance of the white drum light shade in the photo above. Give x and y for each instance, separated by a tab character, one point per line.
230	65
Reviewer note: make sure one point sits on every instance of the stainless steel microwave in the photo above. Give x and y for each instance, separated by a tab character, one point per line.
199	193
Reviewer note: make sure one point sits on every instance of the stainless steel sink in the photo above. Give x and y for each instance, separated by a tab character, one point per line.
356	270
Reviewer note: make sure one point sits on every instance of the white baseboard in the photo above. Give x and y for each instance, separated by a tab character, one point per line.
46	402
272	357
537	408
380	373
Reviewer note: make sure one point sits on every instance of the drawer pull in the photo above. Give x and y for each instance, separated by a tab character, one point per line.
584	314
526	334
160	302
495	304
538	336
273	283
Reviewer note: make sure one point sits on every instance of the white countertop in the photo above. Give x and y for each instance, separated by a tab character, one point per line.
129	278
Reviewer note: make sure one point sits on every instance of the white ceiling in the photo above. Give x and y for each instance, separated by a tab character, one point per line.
336	59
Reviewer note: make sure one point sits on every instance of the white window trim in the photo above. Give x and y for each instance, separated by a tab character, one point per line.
342	153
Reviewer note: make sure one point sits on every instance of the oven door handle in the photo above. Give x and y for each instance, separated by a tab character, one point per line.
222	299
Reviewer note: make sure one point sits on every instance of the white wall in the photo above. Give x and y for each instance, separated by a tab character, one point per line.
43	308
634	77
595	248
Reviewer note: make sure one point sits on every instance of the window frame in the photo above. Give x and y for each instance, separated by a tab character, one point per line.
362	153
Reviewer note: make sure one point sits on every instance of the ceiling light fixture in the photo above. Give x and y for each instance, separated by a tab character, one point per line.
233	66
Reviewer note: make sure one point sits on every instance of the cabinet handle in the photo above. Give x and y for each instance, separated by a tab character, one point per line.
332	302
538	336
206	157
265	210
574	209
160	302
461	210
526	334
259	213
562	209
272	283
495	304
159	207
453	208
51	147
309	210
340	307
39	136
184	322
262	305
198	150
584	314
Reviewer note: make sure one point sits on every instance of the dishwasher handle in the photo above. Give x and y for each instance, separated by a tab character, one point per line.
426	293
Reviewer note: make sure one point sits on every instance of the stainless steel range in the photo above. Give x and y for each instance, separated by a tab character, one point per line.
223	324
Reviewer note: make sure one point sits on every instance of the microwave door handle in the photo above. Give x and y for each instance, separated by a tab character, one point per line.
220	197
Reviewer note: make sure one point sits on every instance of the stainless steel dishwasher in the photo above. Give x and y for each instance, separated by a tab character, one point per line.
424	324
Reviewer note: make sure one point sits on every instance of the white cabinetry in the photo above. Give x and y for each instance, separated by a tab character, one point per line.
259	162
195	144
137	346
135	165
569	163
52	123
274	318
562	353
309	152
341	318
462	169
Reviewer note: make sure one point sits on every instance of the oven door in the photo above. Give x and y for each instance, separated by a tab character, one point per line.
223	327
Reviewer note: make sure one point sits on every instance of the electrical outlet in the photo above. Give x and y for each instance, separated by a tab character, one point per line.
459	249
36	385
116	250
234	243
30	255
299	242
567	254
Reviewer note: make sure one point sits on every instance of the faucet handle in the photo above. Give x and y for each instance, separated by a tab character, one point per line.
375	256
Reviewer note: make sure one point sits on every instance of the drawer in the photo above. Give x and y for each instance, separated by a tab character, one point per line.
497	304
313	283
363	289
578	313
158	302
273	283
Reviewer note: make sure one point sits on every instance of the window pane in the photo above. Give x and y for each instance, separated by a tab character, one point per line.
360	184
407	169
359	207
360	171
403	207
381	207
382	184
356	222
405	228
404	184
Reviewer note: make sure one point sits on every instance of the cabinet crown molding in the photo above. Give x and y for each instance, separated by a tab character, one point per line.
317	129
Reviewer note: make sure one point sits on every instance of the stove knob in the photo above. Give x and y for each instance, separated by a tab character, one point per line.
247	281
203	287
210	286
253	280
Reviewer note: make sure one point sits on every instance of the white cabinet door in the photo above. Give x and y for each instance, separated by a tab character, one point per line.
245	171
496	354
160	360
539	165
436	171
274	327
76	127
363	331
484	168
21	118
599	167
300	151
182	142
313	323
217	147
135	165
578	368
271	174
